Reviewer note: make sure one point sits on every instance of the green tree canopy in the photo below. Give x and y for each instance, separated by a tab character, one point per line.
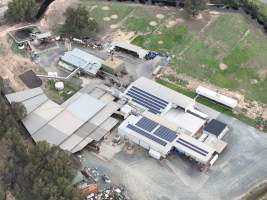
193	7
21	10
18	110
78	23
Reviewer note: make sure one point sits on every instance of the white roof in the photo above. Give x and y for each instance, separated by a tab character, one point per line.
139	50
43	35
125	131
232	103
162	92
78	58
85	107
194	148
186	121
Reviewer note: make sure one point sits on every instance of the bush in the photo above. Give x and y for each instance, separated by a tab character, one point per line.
21	10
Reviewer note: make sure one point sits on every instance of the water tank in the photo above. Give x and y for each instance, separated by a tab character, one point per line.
59	85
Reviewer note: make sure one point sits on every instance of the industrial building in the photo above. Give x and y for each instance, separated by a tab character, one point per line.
164	121
154	117
83	118
77	58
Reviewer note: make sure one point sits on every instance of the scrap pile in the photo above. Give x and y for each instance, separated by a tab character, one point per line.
98	186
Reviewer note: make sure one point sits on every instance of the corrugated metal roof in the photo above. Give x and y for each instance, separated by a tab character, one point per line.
66	122
34	122
71	142
138	50
35	102
85	107
162	92
49	134
194	148
41	116
105	113
24	95
82	59
109	124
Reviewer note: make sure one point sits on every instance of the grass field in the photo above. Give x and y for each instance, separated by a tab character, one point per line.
230	40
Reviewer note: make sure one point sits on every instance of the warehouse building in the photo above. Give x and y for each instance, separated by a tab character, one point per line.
165	121
74	124
166	103
77	58
160	138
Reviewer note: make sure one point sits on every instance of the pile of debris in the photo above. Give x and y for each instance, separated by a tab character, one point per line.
98	186
115	193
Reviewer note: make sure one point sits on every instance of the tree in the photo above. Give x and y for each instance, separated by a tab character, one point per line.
193	7
21	10
18	110
78	23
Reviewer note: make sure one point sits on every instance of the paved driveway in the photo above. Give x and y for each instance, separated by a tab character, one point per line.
240	167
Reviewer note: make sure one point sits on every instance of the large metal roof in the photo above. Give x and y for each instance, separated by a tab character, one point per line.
78	58
162	92
194	148
66	125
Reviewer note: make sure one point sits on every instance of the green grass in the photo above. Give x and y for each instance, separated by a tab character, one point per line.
140	19
206	102
230	39
60	96
173	39
115	8
227	41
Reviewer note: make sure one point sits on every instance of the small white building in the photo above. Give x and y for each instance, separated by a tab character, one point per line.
222	99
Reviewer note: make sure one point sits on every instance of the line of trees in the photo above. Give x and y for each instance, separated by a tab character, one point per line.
39	172
256	8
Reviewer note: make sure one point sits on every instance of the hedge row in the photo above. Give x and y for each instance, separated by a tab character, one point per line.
256	8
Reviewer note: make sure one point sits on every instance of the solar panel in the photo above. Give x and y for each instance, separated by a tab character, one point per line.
146	124
153	110
153	103
165	133
163	101
192	147
147	99
188	146
147	135
144	101
160	103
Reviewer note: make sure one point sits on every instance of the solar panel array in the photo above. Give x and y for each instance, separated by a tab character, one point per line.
146	124
153	103
192	147
147	135
165	134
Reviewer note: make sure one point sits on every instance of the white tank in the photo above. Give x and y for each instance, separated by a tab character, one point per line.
59	85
